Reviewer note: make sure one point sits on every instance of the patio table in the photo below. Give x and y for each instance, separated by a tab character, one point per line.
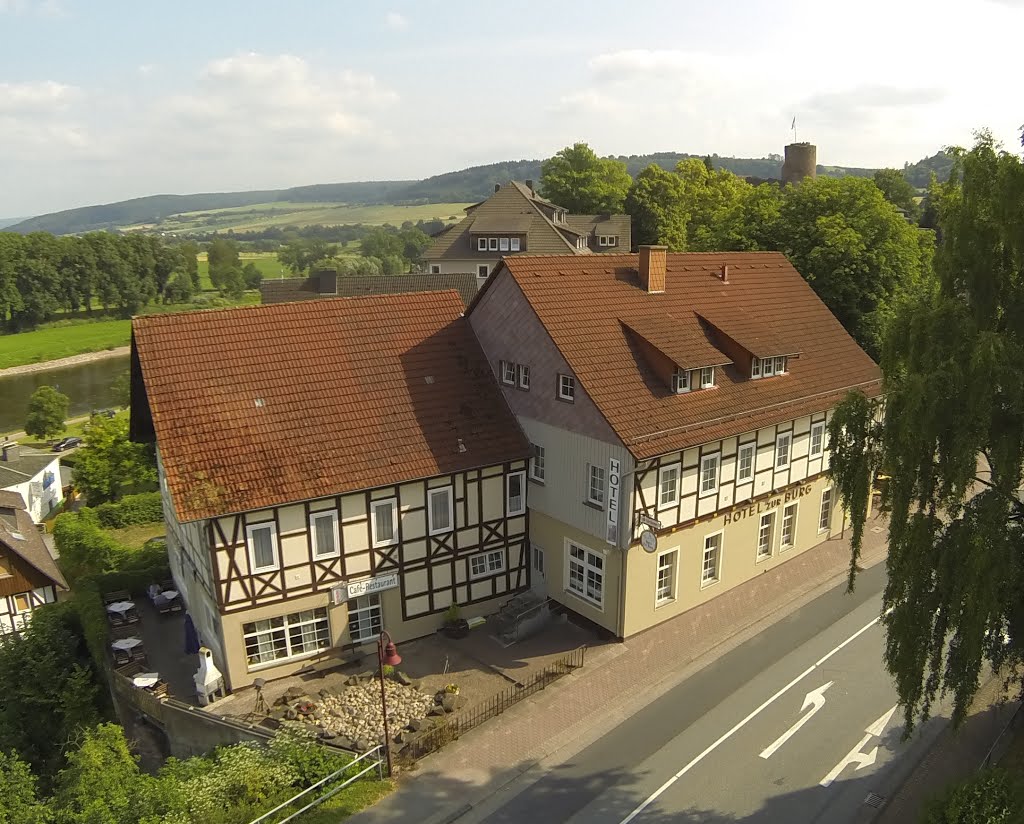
146	679
126	644
120	607
170	594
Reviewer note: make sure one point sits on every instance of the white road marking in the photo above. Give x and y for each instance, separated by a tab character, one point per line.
726	736
855	756
815	698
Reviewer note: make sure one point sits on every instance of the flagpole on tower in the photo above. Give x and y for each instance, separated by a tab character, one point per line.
793	127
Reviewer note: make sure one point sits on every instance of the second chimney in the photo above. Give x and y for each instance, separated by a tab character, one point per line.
497	187
529	185
652	265
725	273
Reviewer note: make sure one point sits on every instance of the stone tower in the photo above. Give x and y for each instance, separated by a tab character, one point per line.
801	161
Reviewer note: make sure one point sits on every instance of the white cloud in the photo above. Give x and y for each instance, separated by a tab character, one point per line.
40	96
41	8
867	97
396	20
640	61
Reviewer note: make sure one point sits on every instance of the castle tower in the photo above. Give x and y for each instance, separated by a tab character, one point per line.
801	161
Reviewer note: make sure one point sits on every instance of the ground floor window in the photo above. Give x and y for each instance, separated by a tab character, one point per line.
365	621
286	636
789	526
765	536
825	516
538	560
487	563
666	585
586	574
711	565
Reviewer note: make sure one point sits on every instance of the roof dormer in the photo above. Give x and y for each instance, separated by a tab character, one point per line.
749	340
676	349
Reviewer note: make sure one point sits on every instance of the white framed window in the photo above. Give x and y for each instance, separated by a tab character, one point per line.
711	564
492	244
486	563
384	522
514	244
782	445
566	388
323	530
440	510
825	513
262	540
508	373
709	474
481	244
789	526
665	587
537	464
299	634
780	365
503	244
766	536
755	368
482	270
817	439
707	377
523	375
435	269
515	493
745	463
680	381
538	559
595	484
668	486
365	621
585	574
767	367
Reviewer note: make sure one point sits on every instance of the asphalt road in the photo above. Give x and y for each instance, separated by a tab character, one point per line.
796	725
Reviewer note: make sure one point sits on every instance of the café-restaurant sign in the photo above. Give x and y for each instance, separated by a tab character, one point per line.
791	493
357	589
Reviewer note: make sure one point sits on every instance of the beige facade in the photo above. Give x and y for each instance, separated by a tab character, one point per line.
481	267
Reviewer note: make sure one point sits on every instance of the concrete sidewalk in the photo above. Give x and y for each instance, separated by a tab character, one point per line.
577	710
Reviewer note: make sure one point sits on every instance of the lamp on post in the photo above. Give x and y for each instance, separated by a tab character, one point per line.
387	655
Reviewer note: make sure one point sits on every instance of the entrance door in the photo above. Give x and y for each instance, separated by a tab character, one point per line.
364	618
537	561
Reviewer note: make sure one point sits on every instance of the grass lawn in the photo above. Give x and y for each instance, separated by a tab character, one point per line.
66	338
358	796
134	537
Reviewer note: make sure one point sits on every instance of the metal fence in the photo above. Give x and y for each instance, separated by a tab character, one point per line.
1004	739
451	727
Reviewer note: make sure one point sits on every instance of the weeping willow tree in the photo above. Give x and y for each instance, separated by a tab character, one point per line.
952	443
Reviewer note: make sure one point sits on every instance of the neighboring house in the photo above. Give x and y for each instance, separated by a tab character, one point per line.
516	220
29	576
329	470
328	284
683	395
35	476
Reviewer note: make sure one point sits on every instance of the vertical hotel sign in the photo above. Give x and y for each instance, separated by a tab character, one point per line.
613	502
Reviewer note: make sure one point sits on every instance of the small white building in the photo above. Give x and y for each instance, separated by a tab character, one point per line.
35	476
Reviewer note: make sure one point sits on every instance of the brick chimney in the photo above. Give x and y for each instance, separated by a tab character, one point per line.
652	265
529	184
10	451
497	187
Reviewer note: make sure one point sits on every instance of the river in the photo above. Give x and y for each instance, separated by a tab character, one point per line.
90	386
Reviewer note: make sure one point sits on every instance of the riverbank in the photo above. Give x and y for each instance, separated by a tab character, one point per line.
59	363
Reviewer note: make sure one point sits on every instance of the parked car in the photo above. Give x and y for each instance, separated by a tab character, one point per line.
67	443
106	413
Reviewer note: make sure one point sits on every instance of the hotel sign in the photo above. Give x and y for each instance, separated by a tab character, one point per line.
771	502
614	477
356	589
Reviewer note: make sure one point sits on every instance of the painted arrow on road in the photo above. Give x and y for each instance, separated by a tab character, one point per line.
855	756
816	699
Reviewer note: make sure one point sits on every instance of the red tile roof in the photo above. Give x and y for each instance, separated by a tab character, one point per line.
580	300
266	405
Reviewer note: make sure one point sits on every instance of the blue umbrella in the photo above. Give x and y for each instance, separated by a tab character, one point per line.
191	636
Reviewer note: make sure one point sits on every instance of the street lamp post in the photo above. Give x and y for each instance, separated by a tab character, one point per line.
387	655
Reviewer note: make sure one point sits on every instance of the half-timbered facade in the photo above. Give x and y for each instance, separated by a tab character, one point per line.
29	578
386	483
677	406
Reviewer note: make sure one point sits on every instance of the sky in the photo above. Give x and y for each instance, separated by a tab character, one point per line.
102	101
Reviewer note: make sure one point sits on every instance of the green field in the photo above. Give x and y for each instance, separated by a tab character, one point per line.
266	262
283	214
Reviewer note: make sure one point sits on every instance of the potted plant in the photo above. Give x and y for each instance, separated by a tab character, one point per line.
454	625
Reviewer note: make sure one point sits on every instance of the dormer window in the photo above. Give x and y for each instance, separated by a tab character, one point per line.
481	244
767	367
680	381
492	244
514	244
707	377
755	368
503	244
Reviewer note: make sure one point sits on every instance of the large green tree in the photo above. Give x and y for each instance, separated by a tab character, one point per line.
580	181
655	204
109	465
952	444
47	411
898	191
18	801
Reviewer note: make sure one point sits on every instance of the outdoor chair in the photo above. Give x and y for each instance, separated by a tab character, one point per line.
121	657
116	595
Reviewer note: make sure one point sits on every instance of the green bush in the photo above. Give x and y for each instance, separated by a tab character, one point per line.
131	510
992	796
84	548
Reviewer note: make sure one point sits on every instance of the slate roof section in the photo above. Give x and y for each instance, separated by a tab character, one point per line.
266	405
24	540
580	301
22	469
285	290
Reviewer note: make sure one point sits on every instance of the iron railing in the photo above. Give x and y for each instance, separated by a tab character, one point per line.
374	761
1003	740
450	728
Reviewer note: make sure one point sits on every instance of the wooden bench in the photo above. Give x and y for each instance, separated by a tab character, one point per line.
350	654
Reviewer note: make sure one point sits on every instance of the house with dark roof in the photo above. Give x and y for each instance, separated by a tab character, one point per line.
330	469
328	284
29	577
35	476
516	220
677	405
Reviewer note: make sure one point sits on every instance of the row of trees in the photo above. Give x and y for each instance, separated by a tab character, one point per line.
843	234
383	251
41	274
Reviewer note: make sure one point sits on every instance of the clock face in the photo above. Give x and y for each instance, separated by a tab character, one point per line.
649	541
